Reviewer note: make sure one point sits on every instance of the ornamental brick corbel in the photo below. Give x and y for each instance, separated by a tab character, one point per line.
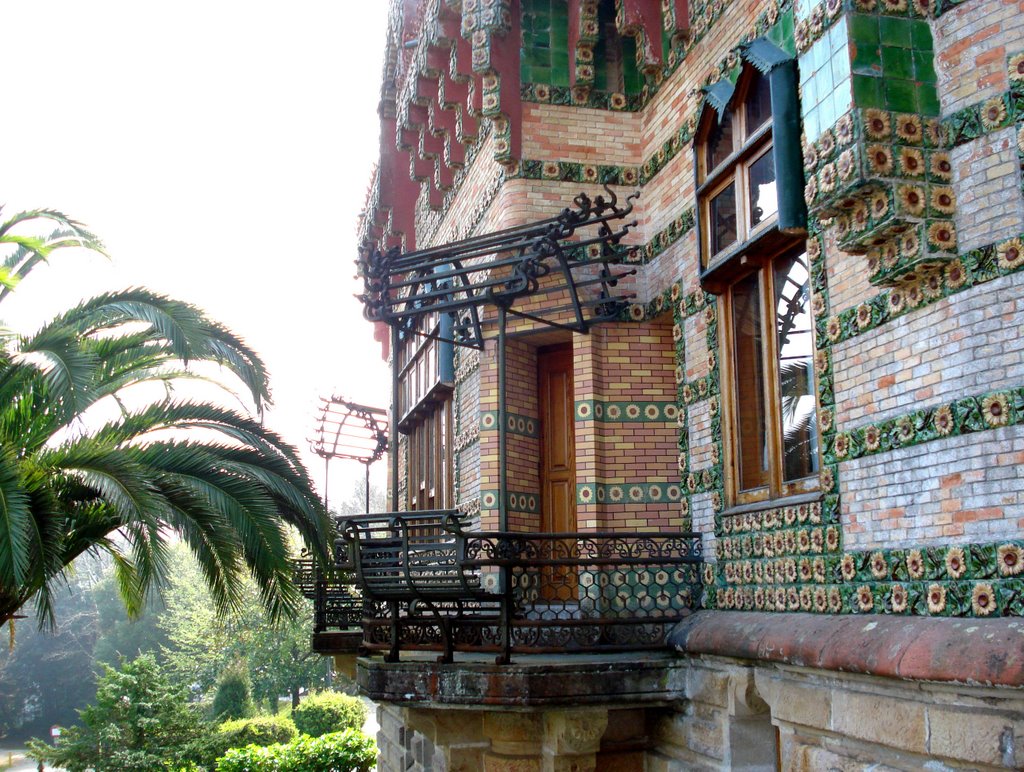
641	20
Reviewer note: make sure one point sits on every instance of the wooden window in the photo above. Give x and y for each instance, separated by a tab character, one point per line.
425	374
430	459
769	388
736	190
761	273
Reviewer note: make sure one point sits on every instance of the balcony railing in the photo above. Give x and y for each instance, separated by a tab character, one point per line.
422	583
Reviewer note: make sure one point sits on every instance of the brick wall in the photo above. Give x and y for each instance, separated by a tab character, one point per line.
951	491
967	344
972	42
559	132
986	179
848	283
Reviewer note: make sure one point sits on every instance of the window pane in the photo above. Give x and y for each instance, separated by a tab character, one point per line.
722	217
796	351
763	199
759	103
720	143
752	436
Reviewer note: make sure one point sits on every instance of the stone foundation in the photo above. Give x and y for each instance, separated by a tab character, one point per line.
791	696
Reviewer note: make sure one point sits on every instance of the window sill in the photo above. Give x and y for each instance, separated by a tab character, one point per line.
732	264
760	506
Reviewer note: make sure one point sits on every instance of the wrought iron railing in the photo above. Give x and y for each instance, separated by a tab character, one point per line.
550	592
337	601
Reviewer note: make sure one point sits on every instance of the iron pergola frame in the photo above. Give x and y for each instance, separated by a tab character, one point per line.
351	431
578	248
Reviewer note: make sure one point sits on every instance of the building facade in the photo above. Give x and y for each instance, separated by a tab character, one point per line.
819	370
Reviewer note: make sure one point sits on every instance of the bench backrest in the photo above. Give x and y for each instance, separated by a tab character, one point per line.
412	555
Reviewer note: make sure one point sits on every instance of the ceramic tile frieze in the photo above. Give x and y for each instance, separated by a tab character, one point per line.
883	180
522	425
518	501
962	416
626	412
628	493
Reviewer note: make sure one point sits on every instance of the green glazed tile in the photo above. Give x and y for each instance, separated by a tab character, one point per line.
924	67
921	35
897	63
867	59
900	95
868	92
864	29
928	100
894	31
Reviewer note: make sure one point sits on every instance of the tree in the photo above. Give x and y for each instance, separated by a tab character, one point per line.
234	693
201	643
72	481
140	721
48	676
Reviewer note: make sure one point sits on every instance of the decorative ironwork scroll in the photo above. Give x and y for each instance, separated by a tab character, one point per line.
578	249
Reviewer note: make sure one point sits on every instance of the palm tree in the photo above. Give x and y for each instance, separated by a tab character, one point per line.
85	465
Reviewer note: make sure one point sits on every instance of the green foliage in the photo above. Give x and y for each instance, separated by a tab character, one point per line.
326	712
140	721
48	676
348	751
201	642
234	693
262	730
216	477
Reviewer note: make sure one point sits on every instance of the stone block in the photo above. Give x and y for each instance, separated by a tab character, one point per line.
708	686
969	735
574	731
497	763
464	759
883	720
796	703
514	733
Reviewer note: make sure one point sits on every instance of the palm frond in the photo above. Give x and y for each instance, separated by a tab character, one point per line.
15	523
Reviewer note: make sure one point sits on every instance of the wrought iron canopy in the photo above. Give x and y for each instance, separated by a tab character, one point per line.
349	430
579	248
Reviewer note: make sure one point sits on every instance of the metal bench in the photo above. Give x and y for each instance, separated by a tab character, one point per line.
411	561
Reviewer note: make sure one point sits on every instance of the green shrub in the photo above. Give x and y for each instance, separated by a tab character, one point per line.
140	721
348	751
262	730
325	712
234	693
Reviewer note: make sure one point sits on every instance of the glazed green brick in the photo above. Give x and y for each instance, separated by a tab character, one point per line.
866	58
921	35
901	95
928	100
897	63
864	29
894	31
868	92
924	66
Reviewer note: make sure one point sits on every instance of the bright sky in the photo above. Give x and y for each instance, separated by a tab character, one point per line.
222	150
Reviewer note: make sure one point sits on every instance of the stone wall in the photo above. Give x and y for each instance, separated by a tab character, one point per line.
720	713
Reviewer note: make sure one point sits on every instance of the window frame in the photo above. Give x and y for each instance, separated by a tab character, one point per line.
424	408
749	145
777	488
756	251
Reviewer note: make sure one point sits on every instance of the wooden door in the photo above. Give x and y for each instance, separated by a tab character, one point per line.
558	442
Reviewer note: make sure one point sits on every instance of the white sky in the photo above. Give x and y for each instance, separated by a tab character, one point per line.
222	150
